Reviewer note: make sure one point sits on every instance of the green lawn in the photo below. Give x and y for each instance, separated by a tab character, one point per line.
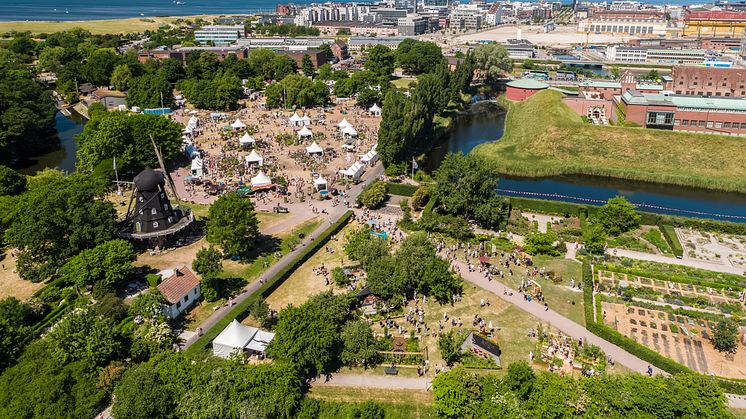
544	137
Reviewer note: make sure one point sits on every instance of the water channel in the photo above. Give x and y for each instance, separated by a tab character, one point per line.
64	157
485	126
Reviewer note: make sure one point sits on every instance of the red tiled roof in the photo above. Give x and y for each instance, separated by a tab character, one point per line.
715	15
176	286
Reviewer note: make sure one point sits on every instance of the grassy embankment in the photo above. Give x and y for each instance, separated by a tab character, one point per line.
544	137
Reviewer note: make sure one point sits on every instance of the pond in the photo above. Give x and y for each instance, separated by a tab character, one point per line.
487	125
64	157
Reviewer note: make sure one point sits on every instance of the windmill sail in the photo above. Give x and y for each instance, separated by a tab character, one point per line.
165	172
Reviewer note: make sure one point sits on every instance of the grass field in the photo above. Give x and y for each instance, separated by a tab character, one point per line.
404	404
111	26
544	137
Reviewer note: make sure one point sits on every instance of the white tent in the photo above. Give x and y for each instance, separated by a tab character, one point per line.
236	338
344	124
295	119
261	180
304	132
306	120
197	166
246	139
194	121
349	131
254	157
314	148
375	110
354	171
189	129
237	124
319	183
370	157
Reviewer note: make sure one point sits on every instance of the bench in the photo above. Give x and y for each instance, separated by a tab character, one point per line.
391	371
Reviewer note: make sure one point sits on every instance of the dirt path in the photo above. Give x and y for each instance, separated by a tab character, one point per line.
674	261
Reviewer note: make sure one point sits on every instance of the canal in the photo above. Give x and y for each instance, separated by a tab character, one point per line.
486	125
65	156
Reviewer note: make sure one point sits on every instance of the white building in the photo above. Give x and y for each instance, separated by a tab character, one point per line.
219	35
624	54
181	289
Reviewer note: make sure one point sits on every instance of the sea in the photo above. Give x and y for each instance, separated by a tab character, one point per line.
55	10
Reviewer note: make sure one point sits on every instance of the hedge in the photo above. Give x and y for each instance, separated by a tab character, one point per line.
669	233
641	351
550	207
401	189
241	310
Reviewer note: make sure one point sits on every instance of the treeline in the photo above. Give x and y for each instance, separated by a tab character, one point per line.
283	29
407	127
523	394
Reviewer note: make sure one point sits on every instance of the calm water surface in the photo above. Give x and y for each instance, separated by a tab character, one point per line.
663	199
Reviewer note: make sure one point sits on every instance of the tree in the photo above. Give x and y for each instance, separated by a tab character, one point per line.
260	311
465	185
450	347
594	238
121	76
450	395
520	379
438	280
617	216
232	224
417	57
128	138
381	280
340	277
359	345
83	335
305	338
56	220
307	66
325	72
652	75
492	60
105	265
373	195
149	91
538	243
142	395
725	336
149	306
11	182
99	66
381	60
16	319
208	262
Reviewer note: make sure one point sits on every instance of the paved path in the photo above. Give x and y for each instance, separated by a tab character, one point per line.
334	215
557	320
375	381
675	261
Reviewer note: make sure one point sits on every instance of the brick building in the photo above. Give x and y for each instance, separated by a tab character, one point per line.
521	89
339	50
181	53
607	89
318	57
691	80
711	115
714	23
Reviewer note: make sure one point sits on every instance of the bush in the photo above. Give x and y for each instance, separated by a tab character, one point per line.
673	240
373	195
420	197
153	279
339	277
401	189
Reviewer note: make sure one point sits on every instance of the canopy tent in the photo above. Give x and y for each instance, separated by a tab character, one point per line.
304	132
314	148
295	120
371	157
197	166
254	158
319	183
246	139
354	171
374	110
189	129
344	124
194	121
306	120
236	338
260	180
237	124
348	130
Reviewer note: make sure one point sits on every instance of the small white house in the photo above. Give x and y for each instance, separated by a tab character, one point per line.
181	289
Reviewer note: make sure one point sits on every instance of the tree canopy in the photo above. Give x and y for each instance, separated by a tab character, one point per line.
417	57
11	182
126	137
232	224
105	265
617	216
492	61
381	60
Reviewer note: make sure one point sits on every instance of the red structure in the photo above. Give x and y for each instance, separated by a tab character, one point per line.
521	89
702	81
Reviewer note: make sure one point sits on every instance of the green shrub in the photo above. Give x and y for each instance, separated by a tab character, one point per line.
373	195
152	279
401	189
669	233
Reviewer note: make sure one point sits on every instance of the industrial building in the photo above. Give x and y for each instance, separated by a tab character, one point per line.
219	35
